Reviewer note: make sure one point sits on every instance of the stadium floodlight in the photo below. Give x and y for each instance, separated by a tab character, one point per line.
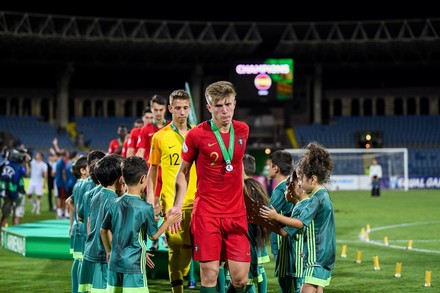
351	167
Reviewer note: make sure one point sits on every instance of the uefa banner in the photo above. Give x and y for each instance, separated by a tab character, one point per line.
13	242
363	182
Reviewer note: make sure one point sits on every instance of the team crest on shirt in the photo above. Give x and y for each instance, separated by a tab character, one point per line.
184	148
240	140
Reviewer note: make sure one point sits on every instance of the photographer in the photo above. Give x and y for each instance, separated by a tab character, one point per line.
13	171
2	164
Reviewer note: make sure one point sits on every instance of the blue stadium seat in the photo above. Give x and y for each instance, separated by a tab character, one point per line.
420	134
33	132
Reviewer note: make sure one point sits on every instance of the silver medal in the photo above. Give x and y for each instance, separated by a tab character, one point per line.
229	168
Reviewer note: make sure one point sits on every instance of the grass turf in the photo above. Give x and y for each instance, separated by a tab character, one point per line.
400	216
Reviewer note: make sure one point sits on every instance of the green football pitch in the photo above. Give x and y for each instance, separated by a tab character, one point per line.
405	218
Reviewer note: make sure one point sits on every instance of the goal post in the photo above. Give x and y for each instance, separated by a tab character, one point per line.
351	167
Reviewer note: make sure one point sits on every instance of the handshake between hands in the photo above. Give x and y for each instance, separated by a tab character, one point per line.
172	217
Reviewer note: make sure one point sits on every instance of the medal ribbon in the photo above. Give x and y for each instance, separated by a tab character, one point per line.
177	130
155	123
227	154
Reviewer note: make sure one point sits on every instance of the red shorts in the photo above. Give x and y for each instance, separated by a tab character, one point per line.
220	238
61	192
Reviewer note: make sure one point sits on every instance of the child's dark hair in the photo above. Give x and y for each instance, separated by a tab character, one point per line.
80	163
108	169
316	161
92	171
292	178
94	154
282	159
133	168
249	165
256	191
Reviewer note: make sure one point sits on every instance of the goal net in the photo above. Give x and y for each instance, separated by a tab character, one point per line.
351	167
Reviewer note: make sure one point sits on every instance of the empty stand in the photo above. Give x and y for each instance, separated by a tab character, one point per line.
33	132
420	134
98	131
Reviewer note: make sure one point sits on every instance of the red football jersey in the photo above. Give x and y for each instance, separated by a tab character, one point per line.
114	146
145	137
132	140
219	192
124	148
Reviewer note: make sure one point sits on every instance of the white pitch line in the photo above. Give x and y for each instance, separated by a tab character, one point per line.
394	240
362	239
403	225
401	247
